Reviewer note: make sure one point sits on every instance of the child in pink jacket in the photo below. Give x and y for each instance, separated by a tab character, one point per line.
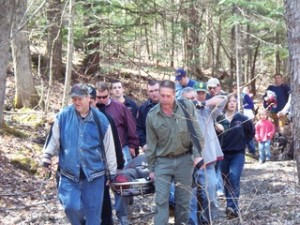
264	132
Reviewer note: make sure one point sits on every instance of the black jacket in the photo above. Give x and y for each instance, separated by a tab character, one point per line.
237	133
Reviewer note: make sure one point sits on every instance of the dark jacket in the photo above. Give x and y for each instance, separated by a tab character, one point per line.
141	120
237	133
282	95
131	106
118	147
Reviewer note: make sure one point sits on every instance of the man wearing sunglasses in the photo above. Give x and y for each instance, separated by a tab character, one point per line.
126	127
214	88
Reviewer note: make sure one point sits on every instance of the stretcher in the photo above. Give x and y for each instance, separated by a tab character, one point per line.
140	186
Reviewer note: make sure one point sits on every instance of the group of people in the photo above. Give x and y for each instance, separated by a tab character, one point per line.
193	137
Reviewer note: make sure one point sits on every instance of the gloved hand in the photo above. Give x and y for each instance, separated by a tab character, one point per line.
199	105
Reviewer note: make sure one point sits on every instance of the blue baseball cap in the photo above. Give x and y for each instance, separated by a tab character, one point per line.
179	73
92	91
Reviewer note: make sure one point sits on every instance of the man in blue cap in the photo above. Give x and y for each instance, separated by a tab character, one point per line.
182	81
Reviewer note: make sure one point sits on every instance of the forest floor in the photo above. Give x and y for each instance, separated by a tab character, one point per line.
269	191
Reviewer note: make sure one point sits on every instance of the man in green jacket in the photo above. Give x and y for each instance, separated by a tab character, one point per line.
171	154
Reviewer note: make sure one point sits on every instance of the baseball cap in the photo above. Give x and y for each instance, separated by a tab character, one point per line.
79	90
200	86
213	82
92	91
179	73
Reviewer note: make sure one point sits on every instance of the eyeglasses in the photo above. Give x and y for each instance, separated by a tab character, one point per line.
211	88
102	97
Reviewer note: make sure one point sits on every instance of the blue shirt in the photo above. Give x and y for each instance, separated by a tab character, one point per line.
179	87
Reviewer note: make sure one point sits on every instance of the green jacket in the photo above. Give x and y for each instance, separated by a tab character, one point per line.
167	135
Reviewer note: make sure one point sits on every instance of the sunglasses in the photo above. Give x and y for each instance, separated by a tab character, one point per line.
102	97
211	88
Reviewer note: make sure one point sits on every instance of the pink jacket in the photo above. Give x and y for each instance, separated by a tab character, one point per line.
264	130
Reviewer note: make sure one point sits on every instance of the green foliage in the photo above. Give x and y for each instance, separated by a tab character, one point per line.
144	29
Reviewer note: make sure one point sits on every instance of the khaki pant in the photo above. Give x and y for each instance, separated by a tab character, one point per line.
178	170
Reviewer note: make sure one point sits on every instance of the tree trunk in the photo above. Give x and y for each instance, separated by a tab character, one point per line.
277	56
293	23
69	54
173	36
210	44
218	44
54	42
91	61
6	17
26	94
252	73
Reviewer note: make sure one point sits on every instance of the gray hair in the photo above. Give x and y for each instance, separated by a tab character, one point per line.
187	90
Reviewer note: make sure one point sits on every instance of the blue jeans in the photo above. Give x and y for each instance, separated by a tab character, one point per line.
220	184
82	201
122	203
264	150
251	146
122	207
205	192
126	154
172	195
232	167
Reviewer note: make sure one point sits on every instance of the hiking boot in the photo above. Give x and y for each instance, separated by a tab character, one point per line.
231	213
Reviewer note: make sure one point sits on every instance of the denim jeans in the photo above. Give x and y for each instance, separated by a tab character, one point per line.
82	201
232	167
204	195
264	150
122	203
172	195
106	214
126	154
220	184
122	207
251	146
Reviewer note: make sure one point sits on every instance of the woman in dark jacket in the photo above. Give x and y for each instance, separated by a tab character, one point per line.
238	131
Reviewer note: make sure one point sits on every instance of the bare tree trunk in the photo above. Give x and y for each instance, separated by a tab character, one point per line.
69	54
173	36
293	23
6	17
54	42
238	62
218	44
252	73
210	44
277	56
91	61
26	94
232	57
